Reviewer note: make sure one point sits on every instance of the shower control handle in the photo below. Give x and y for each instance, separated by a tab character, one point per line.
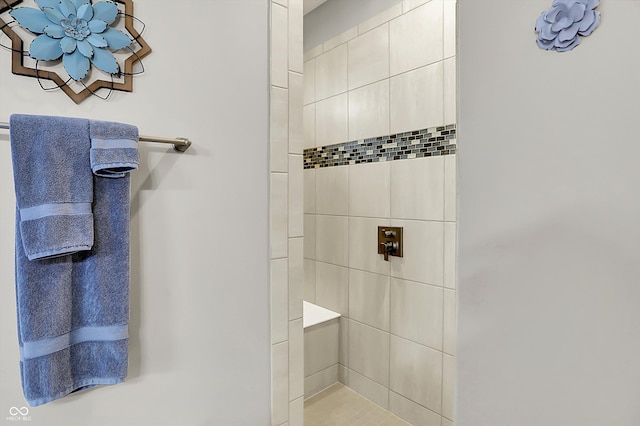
390	241
389	249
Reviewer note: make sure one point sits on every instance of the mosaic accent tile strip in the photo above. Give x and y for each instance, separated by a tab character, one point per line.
429	142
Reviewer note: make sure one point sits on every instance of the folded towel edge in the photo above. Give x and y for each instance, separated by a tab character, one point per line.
58	252
78	386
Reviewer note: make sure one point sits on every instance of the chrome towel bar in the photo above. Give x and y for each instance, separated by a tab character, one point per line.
179	144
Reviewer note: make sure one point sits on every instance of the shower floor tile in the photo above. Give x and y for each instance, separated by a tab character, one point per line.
340	406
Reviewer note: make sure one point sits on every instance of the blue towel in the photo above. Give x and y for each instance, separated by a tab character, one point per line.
73	310
114	150
54	189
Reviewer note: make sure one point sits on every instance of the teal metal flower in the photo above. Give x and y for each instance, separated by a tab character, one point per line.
75	30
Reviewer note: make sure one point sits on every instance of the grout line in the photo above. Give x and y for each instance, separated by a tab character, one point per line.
316	100
389	368
399	337
417	403
348	92
378	273
389	72
444	255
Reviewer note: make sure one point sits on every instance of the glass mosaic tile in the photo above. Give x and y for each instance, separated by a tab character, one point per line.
431	142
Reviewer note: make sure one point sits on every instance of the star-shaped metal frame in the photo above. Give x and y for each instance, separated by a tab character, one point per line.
18	67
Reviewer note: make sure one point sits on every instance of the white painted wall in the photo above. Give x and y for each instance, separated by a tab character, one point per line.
549	231
199	326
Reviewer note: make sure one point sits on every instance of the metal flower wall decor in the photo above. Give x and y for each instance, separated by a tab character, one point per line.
81	35
560	27
76	30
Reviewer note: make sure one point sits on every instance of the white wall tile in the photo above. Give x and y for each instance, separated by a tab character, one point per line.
449	327
296	360
279	157
332	190
309	72
381	18
332	118
343	354
296	277
448	386
416	38
278	215
279	129
332	239
417	99
319	381
369	389
450	187
450	91
416	312
310	236
421	94
369	352
423	259
449	28
343	374
369	110
279	300
412	412
332	287
296	124
279	45
309	176
313	52
369	298
331	72
450	255
296	196
295	35
363	245
309	293
417	189
369	57
342	38
279	383
416	373
309	120
369	191
407	5
296	408
321	346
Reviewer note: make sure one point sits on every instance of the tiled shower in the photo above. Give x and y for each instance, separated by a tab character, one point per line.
379	149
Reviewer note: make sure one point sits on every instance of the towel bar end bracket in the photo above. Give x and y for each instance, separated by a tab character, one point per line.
186	143
182	147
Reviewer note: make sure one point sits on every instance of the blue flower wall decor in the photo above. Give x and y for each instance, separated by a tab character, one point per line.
75	30
560	27
74	44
